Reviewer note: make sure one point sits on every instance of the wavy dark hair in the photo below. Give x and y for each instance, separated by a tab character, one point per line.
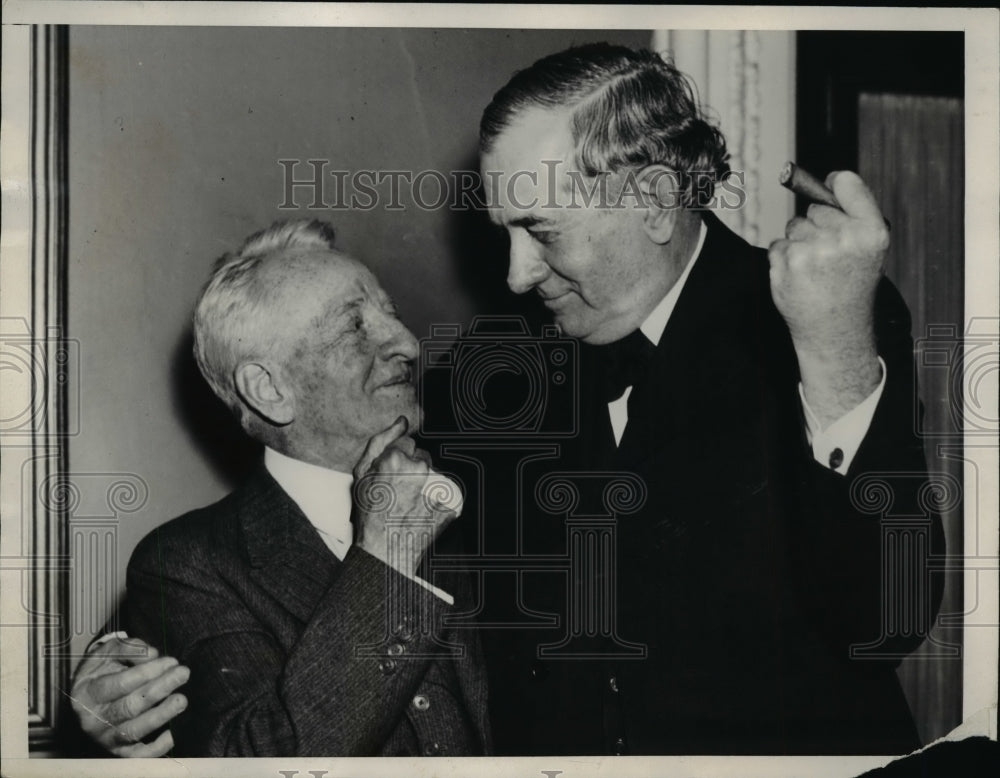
629	109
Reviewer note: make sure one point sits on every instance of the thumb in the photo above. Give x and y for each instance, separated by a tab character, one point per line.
854	196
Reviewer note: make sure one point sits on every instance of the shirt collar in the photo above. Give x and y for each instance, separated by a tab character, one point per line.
656	322
323	495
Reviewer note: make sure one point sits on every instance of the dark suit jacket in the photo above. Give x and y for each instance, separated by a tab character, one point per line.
751	571
293	652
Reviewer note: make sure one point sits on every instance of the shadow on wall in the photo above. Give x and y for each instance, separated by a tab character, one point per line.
210	425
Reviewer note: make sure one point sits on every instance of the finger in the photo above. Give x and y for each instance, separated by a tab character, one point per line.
777	257
164	686
378	443
824	216
800	229
142	699
854	196
406	444
396	462
157	748
113	686
135	729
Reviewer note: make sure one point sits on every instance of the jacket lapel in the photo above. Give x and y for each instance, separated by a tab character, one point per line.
288	558
702	341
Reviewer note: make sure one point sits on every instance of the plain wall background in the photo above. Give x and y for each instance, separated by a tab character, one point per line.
175	136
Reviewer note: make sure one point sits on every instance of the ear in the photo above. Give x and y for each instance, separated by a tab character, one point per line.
262	387
660	187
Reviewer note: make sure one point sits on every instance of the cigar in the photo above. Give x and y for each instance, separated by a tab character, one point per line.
806	185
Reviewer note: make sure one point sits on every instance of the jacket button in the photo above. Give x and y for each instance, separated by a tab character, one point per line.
432	749
420	702
836	458
404	631
396	649
619	746
539	672
387	666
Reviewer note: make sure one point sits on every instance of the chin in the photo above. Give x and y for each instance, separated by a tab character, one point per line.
574	328
414	415
596	333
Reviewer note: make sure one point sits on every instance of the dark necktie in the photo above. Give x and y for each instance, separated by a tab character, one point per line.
624	363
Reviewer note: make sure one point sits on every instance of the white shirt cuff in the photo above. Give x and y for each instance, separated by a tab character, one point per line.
836	446
434	590
105	638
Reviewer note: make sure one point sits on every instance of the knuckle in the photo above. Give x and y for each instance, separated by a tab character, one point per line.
776	251
127	733
796	255
131	707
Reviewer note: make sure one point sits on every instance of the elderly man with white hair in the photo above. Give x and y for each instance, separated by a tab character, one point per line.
295	604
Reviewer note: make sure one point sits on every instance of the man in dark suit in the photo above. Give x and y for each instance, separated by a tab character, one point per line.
766	402
305	633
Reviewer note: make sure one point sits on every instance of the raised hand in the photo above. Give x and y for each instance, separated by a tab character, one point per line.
401	503
824	274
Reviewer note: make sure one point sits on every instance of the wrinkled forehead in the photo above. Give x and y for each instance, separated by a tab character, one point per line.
317	283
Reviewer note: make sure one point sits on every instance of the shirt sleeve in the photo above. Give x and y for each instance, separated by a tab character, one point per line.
835	446
434	590
100	641
447	494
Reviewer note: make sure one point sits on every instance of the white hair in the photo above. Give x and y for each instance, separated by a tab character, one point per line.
234	316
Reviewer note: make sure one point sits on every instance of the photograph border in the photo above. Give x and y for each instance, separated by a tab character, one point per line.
33	297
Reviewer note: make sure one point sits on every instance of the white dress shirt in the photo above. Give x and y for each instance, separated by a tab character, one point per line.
324	496
833	447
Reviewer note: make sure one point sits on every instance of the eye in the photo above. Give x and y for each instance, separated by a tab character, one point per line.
354	324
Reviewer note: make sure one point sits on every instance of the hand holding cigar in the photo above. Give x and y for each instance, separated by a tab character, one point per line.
824	274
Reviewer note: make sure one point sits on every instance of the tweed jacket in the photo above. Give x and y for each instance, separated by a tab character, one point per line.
293	652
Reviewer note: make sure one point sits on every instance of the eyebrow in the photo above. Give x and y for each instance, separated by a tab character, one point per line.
528	221
339	311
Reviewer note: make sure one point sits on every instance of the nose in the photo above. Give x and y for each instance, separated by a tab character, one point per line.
527	268
397	340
